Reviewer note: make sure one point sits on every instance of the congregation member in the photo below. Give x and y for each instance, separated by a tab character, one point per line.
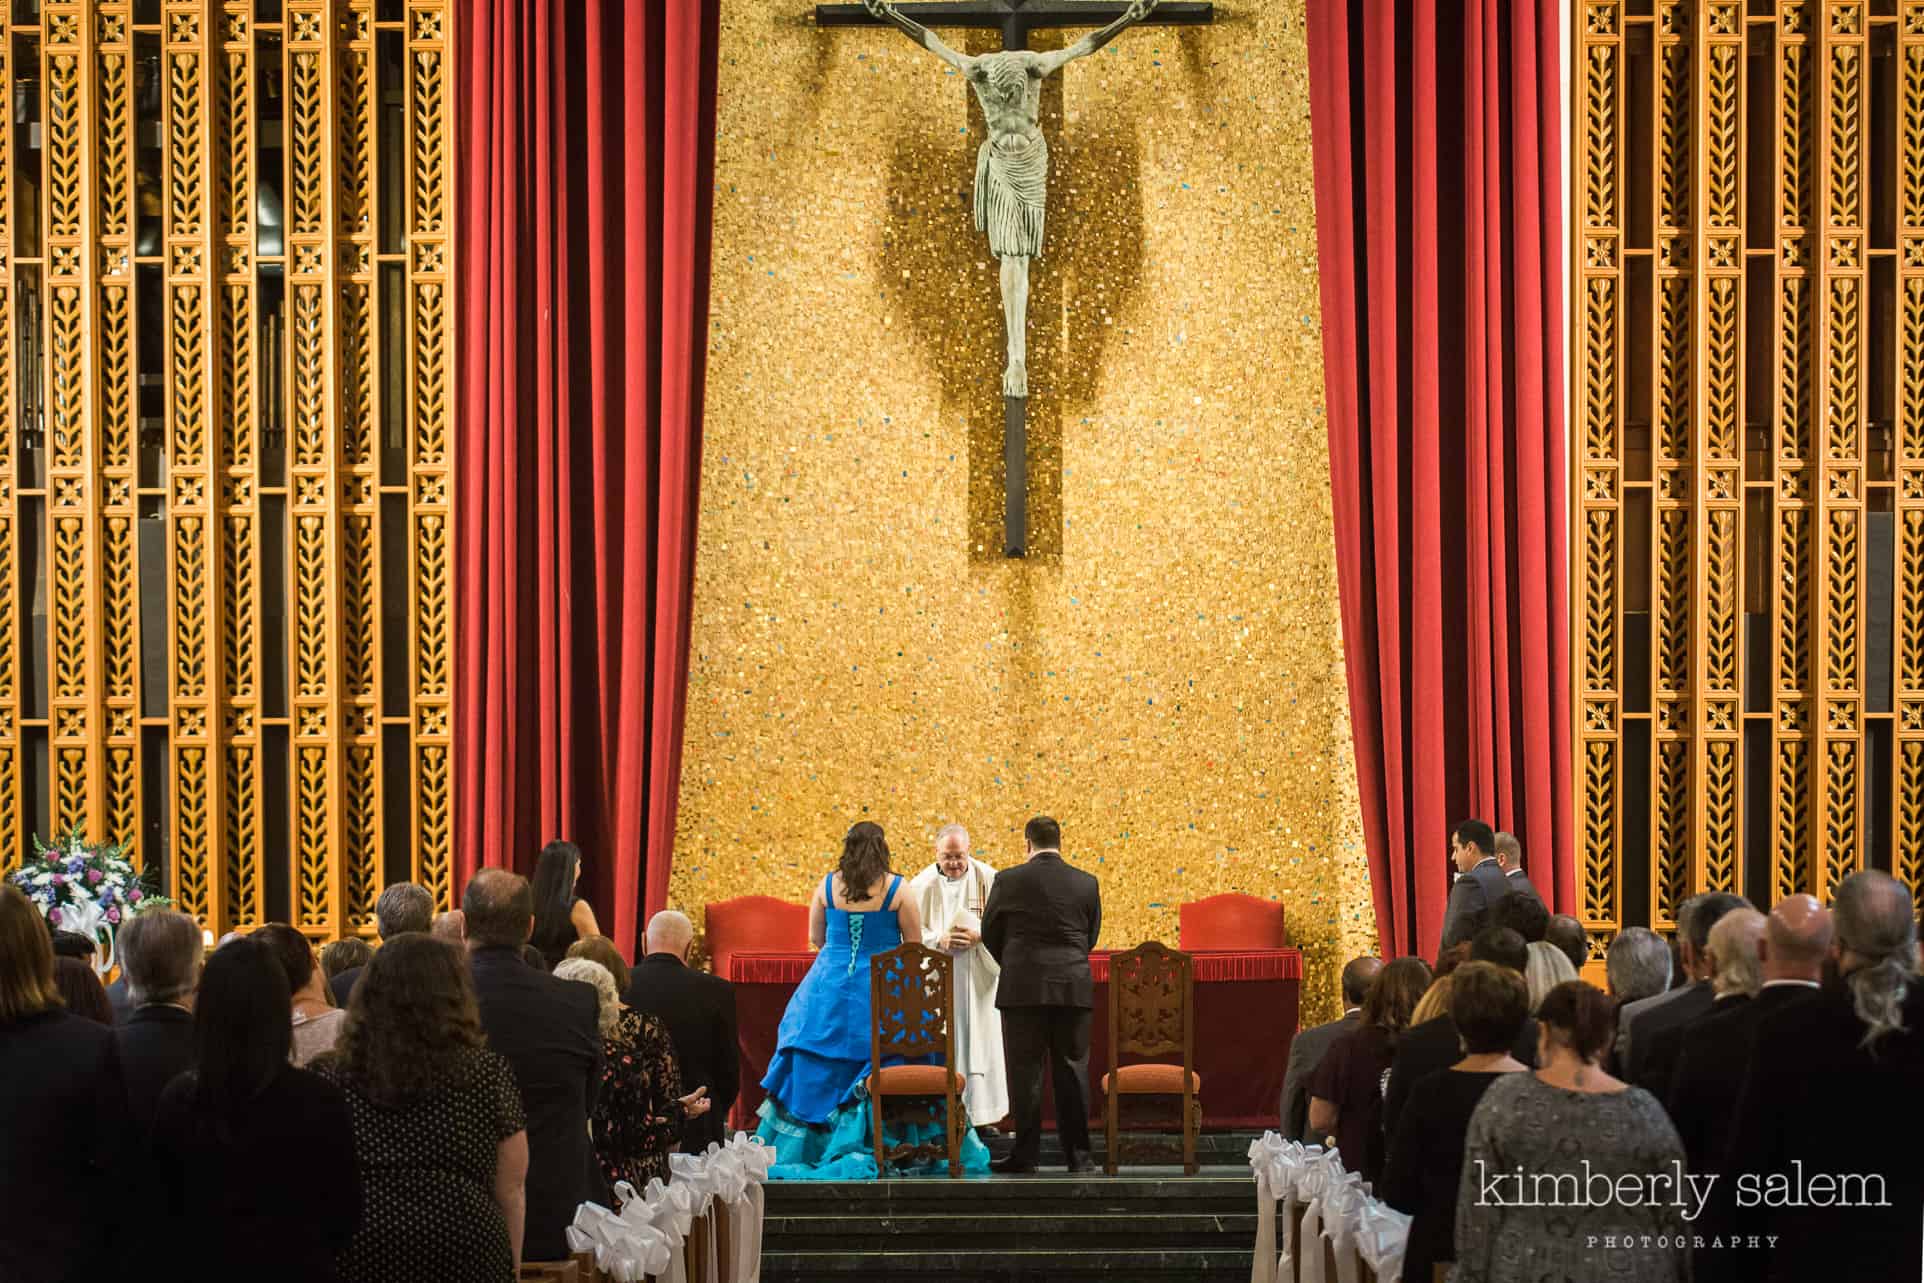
160	954
317	1024
437	1123
401	909
1831	1108
81	990
450	928
698	1010
1434	1002
1307	1049
343	955
1545	967
1043	918
1736	973
1437	1043
1639	1023
951	893
1479	884
1636	966
1552	1130
561	917
640	1110
1489	1005
1523	914
548	1031
226	1130
63	1114
1346	1091
1567	934
601	949
1509	857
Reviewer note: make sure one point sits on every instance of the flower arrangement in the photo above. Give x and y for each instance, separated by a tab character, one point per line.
85	888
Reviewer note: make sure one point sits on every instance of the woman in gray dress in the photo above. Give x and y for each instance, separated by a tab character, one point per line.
1568	1173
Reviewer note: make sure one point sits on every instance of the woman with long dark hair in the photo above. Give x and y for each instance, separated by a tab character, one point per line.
560	916
225	1130
82	991
437	1119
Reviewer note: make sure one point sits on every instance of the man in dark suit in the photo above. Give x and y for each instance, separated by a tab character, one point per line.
1736	974
403	907
1832	1092
1641	1022
1306	1048
1435	1044
1509	857
548	1030
159	953
1568	935
1041	921
699	1012
1479	884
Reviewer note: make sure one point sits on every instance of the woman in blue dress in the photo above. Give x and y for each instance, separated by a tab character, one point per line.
817	1111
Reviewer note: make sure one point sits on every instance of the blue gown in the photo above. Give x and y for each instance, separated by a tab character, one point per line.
817	1112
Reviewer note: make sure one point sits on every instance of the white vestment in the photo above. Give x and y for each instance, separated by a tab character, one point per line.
978	1026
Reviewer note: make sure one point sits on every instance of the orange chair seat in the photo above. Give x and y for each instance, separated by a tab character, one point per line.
1151	1080
913	1080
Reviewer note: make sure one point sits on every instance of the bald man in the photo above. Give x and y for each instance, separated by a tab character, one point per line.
699	1012
1716	1050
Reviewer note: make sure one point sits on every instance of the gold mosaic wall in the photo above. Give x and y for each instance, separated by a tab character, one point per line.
1164	674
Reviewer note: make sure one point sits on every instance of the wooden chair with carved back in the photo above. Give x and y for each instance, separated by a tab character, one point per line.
911	991
1152	1012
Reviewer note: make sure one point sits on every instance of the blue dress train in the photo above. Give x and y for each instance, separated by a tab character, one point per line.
817	1113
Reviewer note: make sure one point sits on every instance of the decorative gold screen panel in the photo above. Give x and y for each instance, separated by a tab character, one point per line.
1748	303
225	346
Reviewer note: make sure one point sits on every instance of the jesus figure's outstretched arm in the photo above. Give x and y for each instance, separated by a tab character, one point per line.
1137	11
920	34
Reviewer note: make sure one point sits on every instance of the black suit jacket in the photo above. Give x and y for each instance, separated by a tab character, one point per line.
1657	1063
699	1012
1431	1046
1713	1055
549	1032
342	986
1651	1053
1041	921
1306	1051
1520	884
1473	897
1814	1095
156	1046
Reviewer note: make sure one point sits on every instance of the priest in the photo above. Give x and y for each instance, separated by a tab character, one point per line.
951	893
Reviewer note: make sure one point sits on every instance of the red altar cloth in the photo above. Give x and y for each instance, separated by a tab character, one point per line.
1246	1006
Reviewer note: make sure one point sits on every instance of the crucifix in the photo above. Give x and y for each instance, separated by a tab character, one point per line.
1012	166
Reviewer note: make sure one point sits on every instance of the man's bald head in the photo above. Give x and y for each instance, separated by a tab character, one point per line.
1357	978
1796	939
499	909
670	932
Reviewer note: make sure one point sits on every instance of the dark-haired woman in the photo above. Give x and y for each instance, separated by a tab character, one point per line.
1565	1126
227	1128
1346	1091
560	916
317	1023
816	1115
63	1113
437	1121
82	991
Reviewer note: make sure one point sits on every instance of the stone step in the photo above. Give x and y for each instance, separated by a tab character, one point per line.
1038	1265
975	1231
1217	1191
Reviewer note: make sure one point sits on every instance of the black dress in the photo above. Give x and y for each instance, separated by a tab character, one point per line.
1351	1078
427	1177
1426	1163
235	1200
639	1112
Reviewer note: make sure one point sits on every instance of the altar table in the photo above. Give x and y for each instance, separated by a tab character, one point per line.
1246	1007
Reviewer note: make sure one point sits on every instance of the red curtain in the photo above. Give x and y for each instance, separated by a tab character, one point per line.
586	136
1437	136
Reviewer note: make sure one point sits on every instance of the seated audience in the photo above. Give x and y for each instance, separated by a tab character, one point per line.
450	927
560	916
601	949
437	1123
228	1131
1346	1091
317	1026
1509	855
401	909
1489	1005
1540	1135
159	954
81	990
63	1114
1306	1049
639	1115
1736	972
1833	1090
1545	969
1437	1043
548	1030
1639	1023
699	1011
1567	934
341	955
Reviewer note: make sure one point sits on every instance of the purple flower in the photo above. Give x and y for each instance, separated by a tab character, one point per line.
94	876
53	917
113	916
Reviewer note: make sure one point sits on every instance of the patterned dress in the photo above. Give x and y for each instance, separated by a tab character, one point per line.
639	1113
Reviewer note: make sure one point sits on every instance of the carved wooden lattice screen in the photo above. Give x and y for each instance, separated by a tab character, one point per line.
225	346
1749	383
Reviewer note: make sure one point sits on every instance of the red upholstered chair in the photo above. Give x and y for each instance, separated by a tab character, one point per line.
1152	1012
909	997
754	923
1232	922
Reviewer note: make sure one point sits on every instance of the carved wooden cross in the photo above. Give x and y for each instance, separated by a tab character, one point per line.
1015	20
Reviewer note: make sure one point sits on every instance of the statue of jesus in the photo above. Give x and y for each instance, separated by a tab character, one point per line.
1012	167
